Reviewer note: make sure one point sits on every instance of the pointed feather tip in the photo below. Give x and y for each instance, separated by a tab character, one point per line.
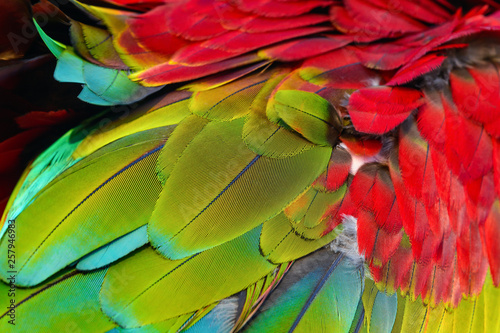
347	241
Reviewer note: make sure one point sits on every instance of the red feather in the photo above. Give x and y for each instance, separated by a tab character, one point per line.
492	245
416	164
336	173
233	19
351	76
372	200
472	267
397	272
367	231
405	50
450	189
134	55
362	147
166	73
343	21
420	281
431	123
480	196
272	8
483	95
378	110
438	218
236	43
413	214
305	48
496	165
386	23
468	147
424	10
153	32
415	69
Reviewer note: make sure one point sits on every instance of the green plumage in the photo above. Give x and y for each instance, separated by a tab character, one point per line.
71	303
109	193
152	280
308	303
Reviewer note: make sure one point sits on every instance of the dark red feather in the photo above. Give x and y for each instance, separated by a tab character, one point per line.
378	110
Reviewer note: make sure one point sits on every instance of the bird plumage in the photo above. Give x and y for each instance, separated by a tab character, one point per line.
260	166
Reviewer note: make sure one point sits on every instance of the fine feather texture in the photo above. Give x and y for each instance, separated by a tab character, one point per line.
301	299
129	175
164	285
380	109
263	166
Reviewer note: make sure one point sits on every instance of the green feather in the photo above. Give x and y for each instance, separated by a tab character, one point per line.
70	303
184	133
159	112
472	315
280	243
271	140
171	325
95	44
266	138
380	309
217	169
54	46
229	101
45	168
115	250
308	213
307	113
147	280
106	195
320	293
102	85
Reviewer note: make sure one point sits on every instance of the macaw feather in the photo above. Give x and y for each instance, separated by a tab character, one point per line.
304	48
221	318
237	98
472	315
120	173
378	110
166	73
235	43
280	243
239	178
491	228
307	113
339	76
269	8
45	168
416	69
308	213
315	294
115	250
159	112
256	294
177	286
95	45
267	138
247	161
74	303
395	23
102	85
380	309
